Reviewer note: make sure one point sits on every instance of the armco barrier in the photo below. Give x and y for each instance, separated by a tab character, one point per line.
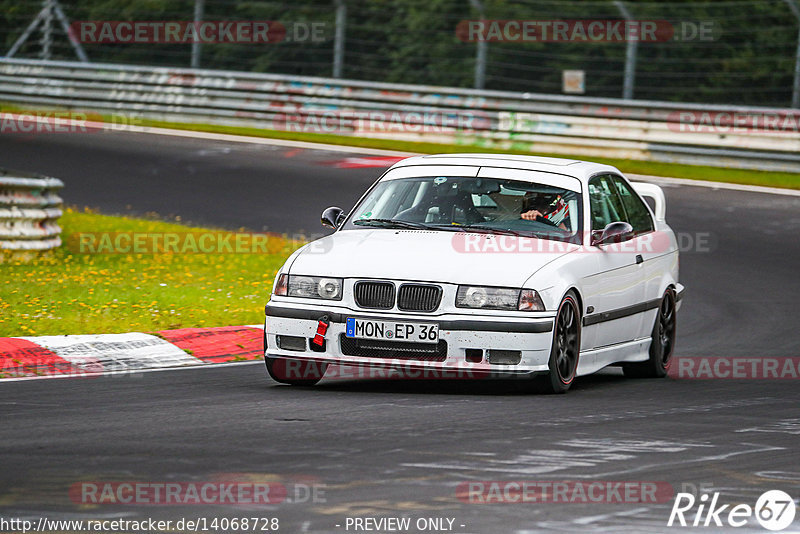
29	212
688	133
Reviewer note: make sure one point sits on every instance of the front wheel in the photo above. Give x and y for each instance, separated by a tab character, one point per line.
295	372
662	343
565	351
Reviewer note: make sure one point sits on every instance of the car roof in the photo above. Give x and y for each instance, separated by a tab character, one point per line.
582	170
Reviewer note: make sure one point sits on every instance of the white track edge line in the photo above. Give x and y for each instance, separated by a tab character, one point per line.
260	140
132	371
382	152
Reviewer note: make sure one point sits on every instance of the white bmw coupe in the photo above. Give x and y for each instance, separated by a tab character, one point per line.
483	265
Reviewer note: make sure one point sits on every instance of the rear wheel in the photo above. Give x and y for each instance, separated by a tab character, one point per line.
565	351
295	372
662	343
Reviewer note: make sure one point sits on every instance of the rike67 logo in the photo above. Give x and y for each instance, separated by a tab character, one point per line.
774	510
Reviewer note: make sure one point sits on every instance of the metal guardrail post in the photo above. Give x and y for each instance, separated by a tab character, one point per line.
482	49
796	84
199	9
45	16
338	43
47	30
73	39
630	54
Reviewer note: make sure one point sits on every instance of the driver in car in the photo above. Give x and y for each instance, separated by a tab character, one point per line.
545	207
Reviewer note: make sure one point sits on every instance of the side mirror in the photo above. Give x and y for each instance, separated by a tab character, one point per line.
332	217
615	232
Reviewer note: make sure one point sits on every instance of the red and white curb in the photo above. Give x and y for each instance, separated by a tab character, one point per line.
92	355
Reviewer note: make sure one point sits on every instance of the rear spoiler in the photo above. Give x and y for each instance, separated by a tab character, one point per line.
657	194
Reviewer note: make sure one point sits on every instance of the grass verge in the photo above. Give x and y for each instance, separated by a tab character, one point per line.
69	292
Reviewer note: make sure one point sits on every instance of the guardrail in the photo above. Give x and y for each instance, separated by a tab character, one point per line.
29	212
757	138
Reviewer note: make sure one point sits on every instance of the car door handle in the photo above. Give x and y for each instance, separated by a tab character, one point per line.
639	259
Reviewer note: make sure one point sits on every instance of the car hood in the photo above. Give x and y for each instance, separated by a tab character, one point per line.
422	255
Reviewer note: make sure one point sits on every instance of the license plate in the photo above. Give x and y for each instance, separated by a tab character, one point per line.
392	331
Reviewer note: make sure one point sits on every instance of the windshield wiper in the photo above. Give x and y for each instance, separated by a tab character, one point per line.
489	229
393	223
505	231
397	223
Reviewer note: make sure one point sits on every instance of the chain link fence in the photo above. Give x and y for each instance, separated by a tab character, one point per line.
743	52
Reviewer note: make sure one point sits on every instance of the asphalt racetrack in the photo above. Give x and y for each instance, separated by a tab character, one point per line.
390	448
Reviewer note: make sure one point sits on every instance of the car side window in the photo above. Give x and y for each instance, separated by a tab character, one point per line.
638	214
604	202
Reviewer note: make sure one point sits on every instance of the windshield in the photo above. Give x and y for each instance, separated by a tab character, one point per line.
454	203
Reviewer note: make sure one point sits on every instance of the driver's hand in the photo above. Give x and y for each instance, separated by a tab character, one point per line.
531	215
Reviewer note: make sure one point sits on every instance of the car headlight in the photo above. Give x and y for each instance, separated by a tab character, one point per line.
498	298
312	287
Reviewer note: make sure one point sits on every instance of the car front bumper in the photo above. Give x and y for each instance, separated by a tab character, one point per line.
531	337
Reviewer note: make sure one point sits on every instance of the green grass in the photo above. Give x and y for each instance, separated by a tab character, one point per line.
675	170
69	292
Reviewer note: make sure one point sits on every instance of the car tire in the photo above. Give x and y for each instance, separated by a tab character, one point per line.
295	372
662	343
565	350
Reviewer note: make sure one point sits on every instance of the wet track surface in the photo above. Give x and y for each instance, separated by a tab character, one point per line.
386	448
260	187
